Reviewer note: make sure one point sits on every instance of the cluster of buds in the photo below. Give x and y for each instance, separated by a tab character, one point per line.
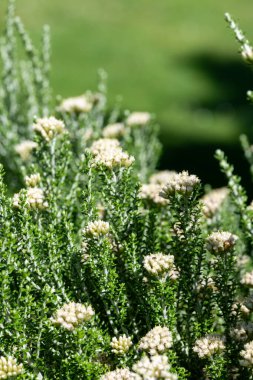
25	148
247	355
180	183
155	367
97	228
77	104
243	331
34	198
221	241
120	374
114	131
138	118
121	344
49	127
162	177
159	264
209	345
33	180
247	279
213	200
9	367
72	314
156	341
151	192
109	153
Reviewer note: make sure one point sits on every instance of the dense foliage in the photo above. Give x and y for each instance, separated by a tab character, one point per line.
110	270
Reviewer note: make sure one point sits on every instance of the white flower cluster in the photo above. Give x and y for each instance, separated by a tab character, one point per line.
151	192
72	315
160	264
121	344
181	183
157	340
213	200
209	345
242	331
49	127
156	367
138	118
97	228
76	104
113	131
33	180
247	355
34	197
207	283
120	374
246	48
25	148
162	177
220	241
109	153
247	279
9	367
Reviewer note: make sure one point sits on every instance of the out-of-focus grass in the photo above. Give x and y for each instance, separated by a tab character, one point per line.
174	58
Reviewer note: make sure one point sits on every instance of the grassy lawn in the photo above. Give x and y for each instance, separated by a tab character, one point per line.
174	58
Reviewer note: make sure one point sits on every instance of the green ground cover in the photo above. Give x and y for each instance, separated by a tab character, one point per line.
174	58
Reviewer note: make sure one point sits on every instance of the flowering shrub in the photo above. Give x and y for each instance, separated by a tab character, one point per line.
109	270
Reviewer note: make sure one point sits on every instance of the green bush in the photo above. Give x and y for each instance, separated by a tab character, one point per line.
109	270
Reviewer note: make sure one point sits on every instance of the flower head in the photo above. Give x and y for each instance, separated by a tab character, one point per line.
34	198
162	177
138	118
159	264
49	127
113	131
157	340
72	314
247	279
33	180
120	374
181	183
247	355
109	153
151	192
156	367
121	344
209	345
213	200
9	367
221	241
97	228
25	148
76	104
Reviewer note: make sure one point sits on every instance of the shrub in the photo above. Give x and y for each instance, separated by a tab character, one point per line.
109	270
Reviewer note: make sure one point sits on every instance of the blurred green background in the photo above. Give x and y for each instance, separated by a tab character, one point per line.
174	58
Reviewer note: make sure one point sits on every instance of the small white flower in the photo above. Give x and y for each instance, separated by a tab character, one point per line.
247	279
138	118
221	241
247	355
151	192
76	104
159	264
49	127
97	228
34	198
25	148
120	374
33	180
213	200
157	340
113	131
209	345
181	183
162	177
156	367
121	344
72	315
9	367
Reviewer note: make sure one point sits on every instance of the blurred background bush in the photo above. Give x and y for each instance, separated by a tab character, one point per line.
177	59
